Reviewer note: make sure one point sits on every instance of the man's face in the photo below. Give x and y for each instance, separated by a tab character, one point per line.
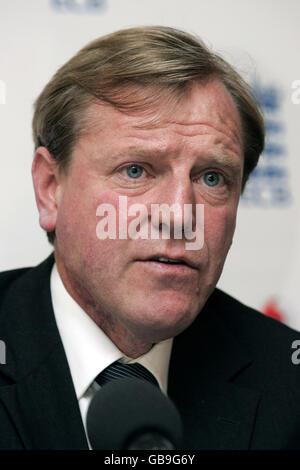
193	156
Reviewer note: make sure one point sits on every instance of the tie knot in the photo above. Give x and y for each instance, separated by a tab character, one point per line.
118	370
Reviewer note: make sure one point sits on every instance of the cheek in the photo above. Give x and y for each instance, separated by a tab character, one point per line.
78	208
219	229
77	223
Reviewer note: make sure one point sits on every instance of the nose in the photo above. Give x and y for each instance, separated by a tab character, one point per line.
175	207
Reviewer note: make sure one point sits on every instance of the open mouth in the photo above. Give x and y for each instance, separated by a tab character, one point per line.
162	265
168	261
181	261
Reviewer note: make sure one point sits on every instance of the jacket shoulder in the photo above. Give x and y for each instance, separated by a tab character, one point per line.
248	322
270	342
17	284
7	277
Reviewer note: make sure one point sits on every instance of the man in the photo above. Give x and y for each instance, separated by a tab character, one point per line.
144	116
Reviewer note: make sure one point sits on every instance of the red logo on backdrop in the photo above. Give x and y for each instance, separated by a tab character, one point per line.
272	310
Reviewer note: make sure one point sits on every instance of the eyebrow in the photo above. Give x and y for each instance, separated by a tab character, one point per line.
212	158
138	152
226	161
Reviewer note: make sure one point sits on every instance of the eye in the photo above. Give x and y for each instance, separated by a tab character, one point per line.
134	171
212	178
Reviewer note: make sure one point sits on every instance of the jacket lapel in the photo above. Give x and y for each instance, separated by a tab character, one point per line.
206	359
40	396
44	408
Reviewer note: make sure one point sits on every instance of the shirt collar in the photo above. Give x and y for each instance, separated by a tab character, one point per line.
89	350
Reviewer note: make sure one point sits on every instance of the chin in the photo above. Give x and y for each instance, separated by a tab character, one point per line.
167	324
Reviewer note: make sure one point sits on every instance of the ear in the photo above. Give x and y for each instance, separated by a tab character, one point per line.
45	177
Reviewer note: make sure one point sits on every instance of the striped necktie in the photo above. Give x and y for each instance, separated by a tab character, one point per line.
118	370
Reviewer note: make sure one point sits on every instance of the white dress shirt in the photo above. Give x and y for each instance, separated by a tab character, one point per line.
89	351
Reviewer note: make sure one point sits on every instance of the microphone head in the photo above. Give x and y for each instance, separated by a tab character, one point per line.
127	408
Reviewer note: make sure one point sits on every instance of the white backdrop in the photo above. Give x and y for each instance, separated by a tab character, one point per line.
260	37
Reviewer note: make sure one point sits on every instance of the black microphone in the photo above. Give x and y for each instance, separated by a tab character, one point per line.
133	414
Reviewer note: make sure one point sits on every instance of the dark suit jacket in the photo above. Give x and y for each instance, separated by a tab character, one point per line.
231	375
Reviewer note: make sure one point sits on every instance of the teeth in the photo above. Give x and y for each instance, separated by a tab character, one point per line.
168	260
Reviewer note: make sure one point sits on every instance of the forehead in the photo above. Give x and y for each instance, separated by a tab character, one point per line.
204	109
